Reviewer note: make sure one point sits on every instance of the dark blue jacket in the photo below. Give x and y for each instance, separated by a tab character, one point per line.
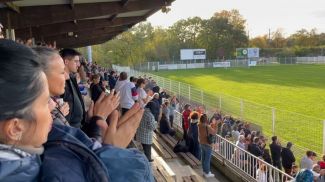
154	107
111	81
193	137
25	168
71	156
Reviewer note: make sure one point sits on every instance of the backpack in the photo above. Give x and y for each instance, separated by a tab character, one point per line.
181	146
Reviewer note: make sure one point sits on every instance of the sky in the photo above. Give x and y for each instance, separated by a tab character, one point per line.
261	15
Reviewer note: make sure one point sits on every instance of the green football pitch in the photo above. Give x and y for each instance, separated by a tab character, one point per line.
290	89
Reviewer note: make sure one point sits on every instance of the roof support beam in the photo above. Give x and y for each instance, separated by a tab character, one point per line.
84	41
124	2
4	1
12	7
71	3
36	15
87	33
61	28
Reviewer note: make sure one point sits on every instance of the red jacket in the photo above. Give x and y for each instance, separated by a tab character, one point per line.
186	115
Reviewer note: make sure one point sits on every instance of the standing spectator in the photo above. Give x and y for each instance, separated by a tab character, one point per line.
322	162
276	148
145	132
95	88
235	134
143	97
172	107
72	94
213	123
266	156
288	159
193	136
128	92
154	104
204	130
226	127
53	66
185	120
308	160
112	80
262	175
133	80
255	148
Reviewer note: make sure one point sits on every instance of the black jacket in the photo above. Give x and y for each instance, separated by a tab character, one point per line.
95	90
287	158
68	97
255	150
275	151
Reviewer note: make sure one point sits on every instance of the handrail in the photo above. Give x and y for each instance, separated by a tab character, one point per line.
244	160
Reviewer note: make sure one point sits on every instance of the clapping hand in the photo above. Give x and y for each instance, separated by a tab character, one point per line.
119	132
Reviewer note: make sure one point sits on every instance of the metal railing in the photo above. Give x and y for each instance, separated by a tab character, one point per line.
269	120
253	167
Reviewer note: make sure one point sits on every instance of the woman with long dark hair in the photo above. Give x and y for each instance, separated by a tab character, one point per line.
206	147
27	131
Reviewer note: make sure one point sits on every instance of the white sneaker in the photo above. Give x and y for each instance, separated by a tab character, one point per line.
209	175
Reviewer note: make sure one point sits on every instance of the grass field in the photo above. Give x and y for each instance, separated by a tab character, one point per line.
293	88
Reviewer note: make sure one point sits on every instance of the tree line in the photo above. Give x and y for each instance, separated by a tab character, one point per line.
220	35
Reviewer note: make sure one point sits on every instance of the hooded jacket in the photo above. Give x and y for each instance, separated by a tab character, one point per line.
17	165
71	156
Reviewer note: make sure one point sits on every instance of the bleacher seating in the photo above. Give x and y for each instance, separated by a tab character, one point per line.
171	142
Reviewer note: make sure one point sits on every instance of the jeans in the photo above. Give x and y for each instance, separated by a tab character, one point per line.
206	157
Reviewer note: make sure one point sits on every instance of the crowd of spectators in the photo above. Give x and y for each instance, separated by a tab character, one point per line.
66	130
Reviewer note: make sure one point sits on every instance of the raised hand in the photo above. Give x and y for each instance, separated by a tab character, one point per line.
120	132
105	105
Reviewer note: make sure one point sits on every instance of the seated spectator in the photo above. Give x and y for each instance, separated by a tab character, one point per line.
164	124
308	160
322	163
